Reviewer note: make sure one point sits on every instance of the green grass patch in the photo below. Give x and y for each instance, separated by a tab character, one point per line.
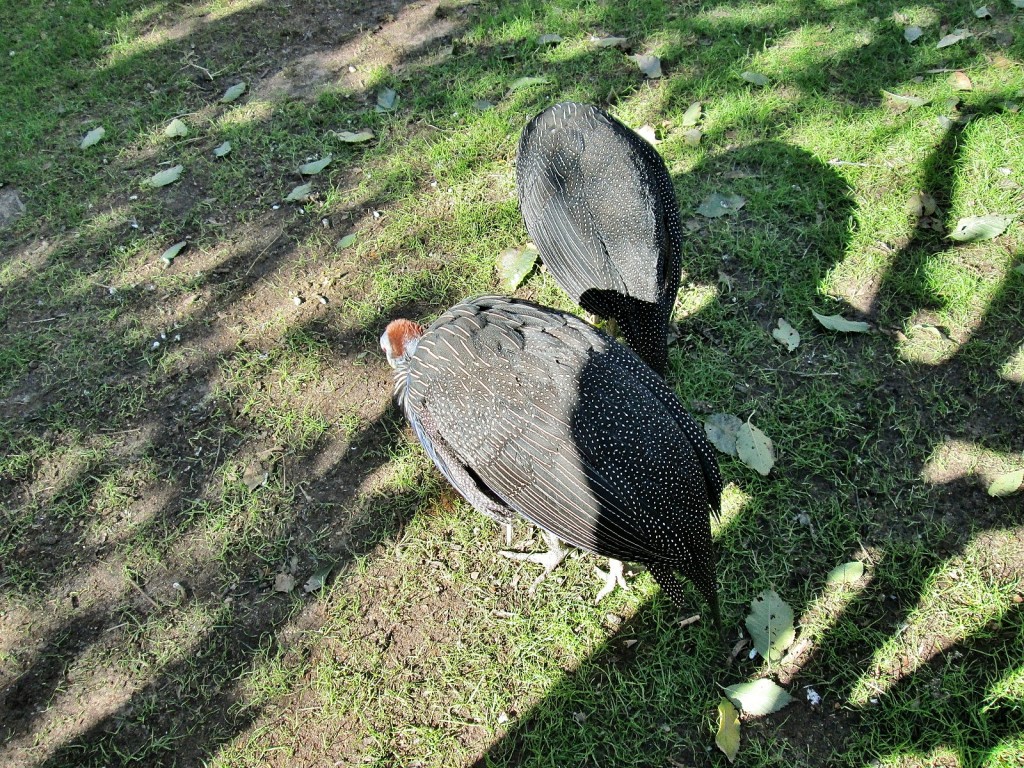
176	437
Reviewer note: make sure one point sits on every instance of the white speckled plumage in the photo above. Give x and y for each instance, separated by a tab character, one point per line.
532	411
599	203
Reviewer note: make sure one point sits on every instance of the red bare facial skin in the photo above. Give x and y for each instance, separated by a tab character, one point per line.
397	335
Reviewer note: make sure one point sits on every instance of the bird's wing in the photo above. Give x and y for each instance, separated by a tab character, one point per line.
553	198
460	476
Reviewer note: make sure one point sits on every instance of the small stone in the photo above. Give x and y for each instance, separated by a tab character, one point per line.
11	207
297	300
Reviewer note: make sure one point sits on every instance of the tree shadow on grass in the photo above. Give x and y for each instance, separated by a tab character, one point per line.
223	655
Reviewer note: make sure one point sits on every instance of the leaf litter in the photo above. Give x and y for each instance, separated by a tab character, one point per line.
718	205
647	133
847	573
960	81
770	625
165	177
300	192
350	137
176	129
526	82
841	324
954	37
386	99
514	264
754	448
609	42
722	430
900	102
760	697
786	335
284	582
649	65
692	115
975	228
233	93
1007	484
727	738
92	137
318	579
314	167
168	256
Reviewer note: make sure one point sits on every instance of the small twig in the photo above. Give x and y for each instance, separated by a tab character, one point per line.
44	320
802	374
260	255
201	69
835	161
141	591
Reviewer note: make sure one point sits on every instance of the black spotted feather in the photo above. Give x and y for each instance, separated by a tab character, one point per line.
555	421
599	204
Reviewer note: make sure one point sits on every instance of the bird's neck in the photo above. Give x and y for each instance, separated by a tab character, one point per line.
401	391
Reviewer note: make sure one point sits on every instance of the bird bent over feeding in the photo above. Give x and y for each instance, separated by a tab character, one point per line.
599	204
531	411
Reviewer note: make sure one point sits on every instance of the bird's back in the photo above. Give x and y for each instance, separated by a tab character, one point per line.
568	428
599	203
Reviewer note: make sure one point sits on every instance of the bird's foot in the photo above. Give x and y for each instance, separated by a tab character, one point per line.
612	577
550	560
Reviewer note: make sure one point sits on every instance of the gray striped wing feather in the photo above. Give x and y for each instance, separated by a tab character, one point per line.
593	196
566	427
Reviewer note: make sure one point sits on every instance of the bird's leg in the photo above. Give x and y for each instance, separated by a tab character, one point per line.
508	534
611	578
550	560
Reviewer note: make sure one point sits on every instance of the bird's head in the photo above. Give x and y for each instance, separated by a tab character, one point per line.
399	341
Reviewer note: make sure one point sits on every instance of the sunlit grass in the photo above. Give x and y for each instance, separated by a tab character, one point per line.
424	647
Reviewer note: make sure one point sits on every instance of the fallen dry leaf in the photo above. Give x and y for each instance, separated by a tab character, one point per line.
960	81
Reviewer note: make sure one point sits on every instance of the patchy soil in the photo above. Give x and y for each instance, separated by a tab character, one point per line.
63	687
66	654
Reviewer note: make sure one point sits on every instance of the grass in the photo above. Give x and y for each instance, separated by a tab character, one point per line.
177	438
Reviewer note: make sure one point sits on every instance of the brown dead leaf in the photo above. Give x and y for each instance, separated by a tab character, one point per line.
284	582
960	81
